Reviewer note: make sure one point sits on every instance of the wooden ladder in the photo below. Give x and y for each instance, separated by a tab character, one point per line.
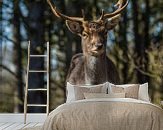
36	89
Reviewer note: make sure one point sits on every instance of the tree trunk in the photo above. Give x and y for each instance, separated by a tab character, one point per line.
139	45
18	53
123	45
147	40
36	32
1	39
146	36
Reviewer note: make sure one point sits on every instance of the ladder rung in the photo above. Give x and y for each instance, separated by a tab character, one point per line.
38	55
38	89
36	105
32	71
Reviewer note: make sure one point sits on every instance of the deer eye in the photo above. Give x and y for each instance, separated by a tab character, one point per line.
85	35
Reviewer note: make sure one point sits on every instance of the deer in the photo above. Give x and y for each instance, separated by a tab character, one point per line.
93	66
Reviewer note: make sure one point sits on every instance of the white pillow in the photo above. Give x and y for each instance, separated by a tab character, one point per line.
142	94
71	90
103	95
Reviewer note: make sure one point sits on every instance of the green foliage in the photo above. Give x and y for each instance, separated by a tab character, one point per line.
154	71
155	68
8	93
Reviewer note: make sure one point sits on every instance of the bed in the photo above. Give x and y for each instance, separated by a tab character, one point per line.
105	113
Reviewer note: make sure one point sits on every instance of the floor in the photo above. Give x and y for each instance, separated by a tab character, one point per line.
16	121
17	126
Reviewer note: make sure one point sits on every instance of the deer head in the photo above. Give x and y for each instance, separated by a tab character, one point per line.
93	33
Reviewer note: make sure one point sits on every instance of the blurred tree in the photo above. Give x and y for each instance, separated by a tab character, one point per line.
36	35
1	2
18	53
123	44
139	45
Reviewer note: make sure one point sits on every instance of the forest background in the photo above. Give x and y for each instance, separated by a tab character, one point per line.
135	46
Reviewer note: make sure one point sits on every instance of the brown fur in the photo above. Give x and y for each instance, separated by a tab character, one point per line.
76	73
92	66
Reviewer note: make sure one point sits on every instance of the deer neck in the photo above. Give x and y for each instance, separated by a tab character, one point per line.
95	69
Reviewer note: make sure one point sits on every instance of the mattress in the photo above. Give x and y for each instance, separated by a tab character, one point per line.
105	114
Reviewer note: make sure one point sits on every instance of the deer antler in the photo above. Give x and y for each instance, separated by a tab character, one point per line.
102	16
121	7
59	15
115	14
120	4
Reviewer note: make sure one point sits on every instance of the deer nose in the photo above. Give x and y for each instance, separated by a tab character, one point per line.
99	45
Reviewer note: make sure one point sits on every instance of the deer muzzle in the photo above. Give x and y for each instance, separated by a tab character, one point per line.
97	49
99	46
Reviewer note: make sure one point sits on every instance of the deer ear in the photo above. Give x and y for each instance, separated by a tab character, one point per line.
74	27
112	22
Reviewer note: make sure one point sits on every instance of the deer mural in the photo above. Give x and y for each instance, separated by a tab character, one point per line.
92	66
